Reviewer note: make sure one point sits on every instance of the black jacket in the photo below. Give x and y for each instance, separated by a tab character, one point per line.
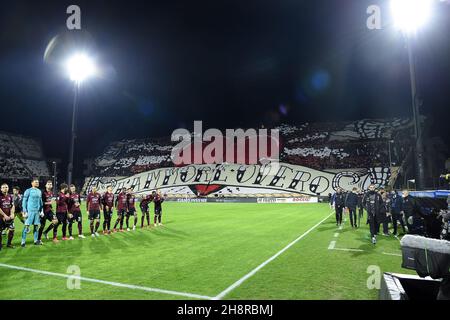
351	201
373	203
339	200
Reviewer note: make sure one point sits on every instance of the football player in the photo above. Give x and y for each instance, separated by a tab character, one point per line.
108	205
93	206
6	214
75	212
122	208
62	207
47	198
131	200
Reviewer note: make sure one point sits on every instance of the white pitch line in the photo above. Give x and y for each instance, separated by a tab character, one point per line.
115	284
392	254
332	245
345	249
262	265
336	234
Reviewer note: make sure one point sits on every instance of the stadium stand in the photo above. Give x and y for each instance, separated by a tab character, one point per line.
357	144
21	157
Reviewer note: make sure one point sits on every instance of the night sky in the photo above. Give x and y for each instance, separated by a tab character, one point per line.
228	63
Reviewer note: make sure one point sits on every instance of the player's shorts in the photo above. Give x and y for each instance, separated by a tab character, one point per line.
94	214
107	214
6	225
76	216
144	209
49	215
121	212
19	215
33	219
158	212
62	217
131	212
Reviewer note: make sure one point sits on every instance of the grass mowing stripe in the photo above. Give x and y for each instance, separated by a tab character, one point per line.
332	245
251	273
116	284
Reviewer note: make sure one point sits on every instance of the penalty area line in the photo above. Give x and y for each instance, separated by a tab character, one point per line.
115	284
262	265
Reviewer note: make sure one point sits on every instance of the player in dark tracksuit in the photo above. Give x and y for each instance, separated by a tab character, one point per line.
396	208
157	200
339	200
373	203
413	218
360	207
108	205
145	210
385	213
351	202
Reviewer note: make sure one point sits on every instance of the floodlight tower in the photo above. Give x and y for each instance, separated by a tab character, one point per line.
409	16
79	68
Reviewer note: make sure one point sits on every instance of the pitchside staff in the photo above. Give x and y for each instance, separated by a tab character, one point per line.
372	203
351	201
396	208
339	202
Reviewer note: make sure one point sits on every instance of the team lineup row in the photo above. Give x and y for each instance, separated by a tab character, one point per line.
35	207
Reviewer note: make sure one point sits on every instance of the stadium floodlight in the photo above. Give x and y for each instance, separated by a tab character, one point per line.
80	67
410	15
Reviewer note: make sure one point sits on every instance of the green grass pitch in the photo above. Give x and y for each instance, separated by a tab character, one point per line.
203	249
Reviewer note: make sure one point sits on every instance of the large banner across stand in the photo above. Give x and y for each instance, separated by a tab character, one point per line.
275	177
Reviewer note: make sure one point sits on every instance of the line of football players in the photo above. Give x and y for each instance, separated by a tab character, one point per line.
68	211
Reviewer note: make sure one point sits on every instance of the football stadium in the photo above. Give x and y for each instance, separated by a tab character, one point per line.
198	153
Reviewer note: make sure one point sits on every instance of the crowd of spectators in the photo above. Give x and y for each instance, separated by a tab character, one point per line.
336	145
21	157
